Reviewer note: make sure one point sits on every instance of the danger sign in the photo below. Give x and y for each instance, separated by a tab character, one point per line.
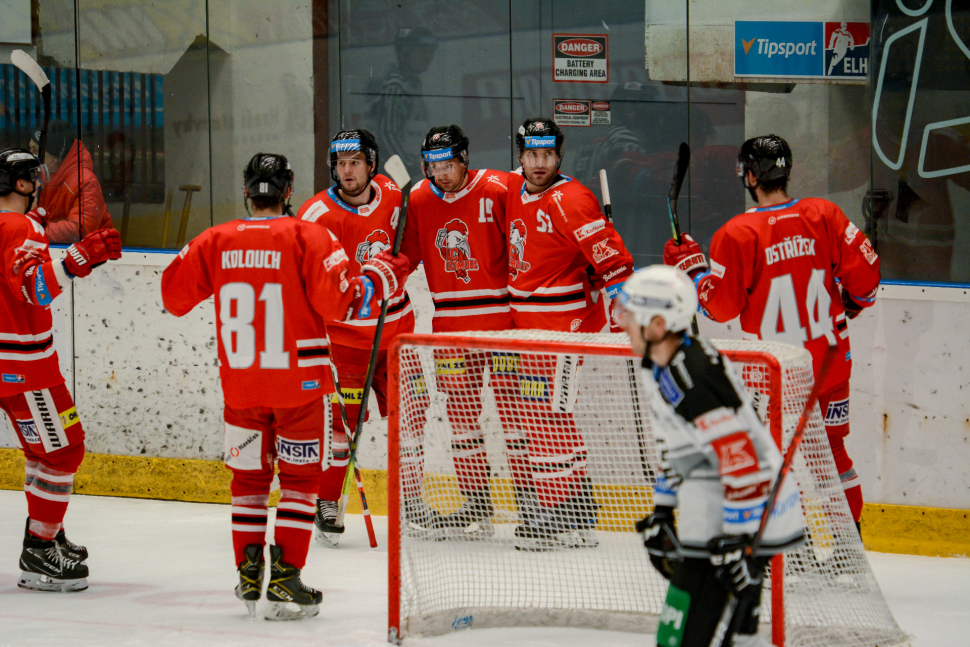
580	58
571	112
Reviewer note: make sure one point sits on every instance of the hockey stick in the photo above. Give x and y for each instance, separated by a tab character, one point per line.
29	66
394	167
631	369
680	172
734	611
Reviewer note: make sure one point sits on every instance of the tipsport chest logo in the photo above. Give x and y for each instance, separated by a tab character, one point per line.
452	244
517	262
376	242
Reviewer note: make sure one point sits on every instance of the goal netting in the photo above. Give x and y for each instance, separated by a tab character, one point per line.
530	383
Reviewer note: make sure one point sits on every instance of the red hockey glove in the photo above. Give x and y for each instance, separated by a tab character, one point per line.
391	272
94	249
39	215
687	256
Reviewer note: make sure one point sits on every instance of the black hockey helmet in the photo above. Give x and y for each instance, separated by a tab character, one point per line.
354	140
539	133
17	164
768	157
268	175
443	143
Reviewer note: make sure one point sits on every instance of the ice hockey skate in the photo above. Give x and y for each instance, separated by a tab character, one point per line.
250	586
567	525
46	568
286	591
420	521
473	520
326	528
68	548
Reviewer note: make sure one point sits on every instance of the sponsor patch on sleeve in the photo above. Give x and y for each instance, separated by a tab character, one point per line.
335	259
590	228
185	250
669	388
850	233
868	251
603	251
316	210
717	269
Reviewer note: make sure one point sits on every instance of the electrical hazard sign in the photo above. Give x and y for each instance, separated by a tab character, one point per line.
580	58
571	112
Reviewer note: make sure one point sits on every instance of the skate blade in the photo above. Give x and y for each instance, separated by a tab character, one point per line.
39	582
328	539
420	532
563	541
475	531
281	611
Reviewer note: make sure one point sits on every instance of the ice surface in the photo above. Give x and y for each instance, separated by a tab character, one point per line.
162	573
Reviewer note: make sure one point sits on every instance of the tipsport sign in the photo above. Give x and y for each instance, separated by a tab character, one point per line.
817	50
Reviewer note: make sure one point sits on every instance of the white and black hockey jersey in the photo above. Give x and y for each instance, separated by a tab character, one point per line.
718	461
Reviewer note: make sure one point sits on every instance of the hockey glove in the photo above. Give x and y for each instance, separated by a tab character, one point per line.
657	530
687	256
93	250
852	309
39	215
738	571
388	273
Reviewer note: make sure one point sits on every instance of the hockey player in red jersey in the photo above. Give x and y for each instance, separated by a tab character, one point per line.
793	270
362	210
32	391
456	225
276	281
562	250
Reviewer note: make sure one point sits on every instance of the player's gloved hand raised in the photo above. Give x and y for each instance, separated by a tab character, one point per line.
687	256
738	571
39	215
657	531
389	271
94	249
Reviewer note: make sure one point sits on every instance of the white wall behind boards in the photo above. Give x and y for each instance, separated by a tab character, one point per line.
146	382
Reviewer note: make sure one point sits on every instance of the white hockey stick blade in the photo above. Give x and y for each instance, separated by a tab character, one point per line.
29	66
395	168
604	186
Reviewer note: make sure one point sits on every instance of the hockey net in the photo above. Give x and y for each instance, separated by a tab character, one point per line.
822	594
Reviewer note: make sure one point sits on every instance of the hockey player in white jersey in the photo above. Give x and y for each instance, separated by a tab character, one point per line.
718	464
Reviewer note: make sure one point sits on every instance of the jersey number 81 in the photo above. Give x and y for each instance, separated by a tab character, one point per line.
242	353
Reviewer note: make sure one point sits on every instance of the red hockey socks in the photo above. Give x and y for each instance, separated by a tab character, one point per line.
48	482
294	518
249	513
468	453
557	456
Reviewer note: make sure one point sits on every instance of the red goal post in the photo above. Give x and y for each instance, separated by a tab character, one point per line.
821	594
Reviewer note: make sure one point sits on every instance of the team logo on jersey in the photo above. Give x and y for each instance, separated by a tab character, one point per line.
376	243
452	244
517	262
602	251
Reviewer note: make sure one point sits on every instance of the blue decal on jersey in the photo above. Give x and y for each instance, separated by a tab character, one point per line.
744	515
613	290
332	192
778	207
848	355
309	385
548	141
343	145
364	311
663	488
669	389
13	378
40	289
438	156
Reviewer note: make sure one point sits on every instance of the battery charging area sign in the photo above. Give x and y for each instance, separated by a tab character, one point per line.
580	58
821	50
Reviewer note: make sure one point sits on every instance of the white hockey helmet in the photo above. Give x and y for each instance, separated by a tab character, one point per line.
660	290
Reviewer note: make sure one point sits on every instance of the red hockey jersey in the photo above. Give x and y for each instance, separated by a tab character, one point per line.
363	232
561	250
461	239
779	268
275	281
28	285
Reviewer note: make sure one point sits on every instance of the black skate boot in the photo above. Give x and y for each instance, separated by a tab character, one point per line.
567	525
46	568
528	504
250	586
285	588
473	520
68	547
420	521
326	529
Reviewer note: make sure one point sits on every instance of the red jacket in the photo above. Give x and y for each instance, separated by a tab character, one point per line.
74	212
